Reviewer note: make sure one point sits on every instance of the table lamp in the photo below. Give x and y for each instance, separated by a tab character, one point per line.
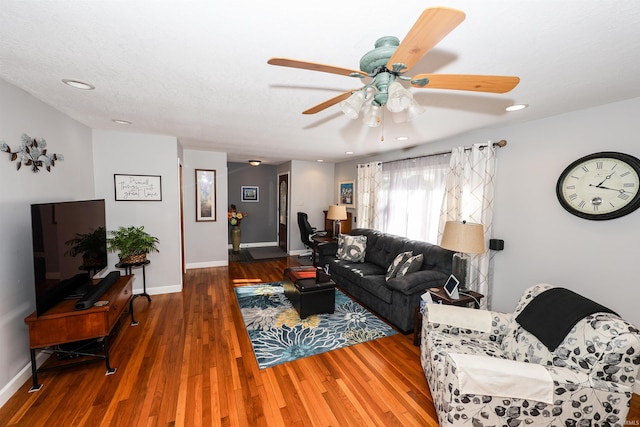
337	213
463	238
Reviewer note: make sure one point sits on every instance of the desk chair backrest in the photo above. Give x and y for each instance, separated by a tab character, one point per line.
305	229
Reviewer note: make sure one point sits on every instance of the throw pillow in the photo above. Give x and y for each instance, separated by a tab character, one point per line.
351	248
397	263
412	264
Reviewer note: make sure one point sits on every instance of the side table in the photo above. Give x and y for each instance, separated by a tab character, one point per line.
127	268
439	296
317	240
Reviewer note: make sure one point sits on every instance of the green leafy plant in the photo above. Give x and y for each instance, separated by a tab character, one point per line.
90	245
131	241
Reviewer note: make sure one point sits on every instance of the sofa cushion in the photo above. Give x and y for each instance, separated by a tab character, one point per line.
412	264
352	248
397	263
377	285
382	248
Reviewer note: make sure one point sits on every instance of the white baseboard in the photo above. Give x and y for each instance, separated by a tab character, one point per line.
255	245
158	290
23	375
194	265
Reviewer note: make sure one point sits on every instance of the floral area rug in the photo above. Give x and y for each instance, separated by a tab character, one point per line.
278	334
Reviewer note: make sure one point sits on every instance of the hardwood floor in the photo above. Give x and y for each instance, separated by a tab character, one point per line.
190	363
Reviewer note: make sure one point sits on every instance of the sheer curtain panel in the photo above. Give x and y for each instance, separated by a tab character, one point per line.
368	189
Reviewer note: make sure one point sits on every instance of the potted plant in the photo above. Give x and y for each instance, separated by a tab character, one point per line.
132	244
90	245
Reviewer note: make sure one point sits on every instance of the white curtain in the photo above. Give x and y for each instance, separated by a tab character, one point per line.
367	191
469	197
413	190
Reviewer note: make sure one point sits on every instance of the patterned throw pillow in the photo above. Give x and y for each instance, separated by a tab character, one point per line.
397	263
412	264
352	248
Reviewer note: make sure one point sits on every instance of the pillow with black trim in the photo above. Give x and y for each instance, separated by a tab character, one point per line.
397	263
412	264
351	248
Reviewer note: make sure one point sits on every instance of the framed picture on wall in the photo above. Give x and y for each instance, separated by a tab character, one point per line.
205	195
250	193
347	194
137	187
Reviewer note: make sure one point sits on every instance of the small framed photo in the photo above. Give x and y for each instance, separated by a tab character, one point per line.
250	193
347	194
205	195
137	187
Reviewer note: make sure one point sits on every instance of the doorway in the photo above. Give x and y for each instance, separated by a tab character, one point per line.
283	210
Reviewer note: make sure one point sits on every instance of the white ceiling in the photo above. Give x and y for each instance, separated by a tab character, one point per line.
198	69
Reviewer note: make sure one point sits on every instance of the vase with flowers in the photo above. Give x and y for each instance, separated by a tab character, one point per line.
235	218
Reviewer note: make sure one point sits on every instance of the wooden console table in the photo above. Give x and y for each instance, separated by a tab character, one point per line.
64	324
345	224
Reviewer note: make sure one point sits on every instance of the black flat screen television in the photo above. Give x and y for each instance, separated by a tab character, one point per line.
69	248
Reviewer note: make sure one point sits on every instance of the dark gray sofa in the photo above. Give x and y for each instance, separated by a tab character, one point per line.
396	299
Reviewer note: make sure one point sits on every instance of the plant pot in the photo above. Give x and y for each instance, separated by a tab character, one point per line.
134	259
235	238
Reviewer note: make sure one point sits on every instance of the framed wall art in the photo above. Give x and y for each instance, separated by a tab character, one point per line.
250	193
205	195
347	194
137	187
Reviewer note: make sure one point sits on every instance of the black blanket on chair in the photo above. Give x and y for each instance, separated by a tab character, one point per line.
551	314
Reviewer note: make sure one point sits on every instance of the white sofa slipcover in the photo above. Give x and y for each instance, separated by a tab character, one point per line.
586	381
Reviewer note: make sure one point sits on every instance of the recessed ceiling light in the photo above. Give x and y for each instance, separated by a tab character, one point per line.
516	107
348	152
121	122
78	84
402	138
319	160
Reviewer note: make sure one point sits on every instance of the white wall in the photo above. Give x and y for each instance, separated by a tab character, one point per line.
543	243
207	241
140	154
71	179
311	191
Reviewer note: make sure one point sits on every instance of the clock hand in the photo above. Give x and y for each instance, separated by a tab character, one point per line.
606	178
606	188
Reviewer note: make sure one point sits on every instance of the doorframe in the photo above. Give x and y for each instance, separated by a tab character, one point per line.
287	216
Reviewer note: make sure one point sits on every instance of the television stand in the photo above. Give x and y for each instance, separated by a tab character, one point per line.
63	324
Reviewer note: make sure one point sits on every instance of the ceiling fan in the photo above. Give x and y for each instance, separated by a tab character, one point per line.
387	63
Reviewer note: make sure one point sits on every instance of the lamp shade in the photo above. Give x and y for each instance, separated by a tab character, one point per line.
337	212
464	237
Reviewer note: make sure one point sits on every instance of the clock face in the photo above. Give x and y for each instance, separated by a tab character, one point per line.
600	186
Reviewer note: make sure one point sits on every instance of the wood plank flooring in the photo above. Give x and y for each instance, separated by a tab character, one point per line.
190	363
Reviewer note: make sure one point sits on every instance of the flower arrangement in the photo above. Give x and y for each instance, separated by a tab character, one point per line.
235	217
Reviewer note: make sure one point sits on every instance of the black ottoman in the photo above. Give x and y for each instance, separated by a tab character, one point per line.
308	294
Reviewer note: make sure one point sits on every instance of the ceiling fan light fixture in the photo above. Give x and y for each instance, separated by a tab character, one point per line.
414	110
352	105
399	98
373	117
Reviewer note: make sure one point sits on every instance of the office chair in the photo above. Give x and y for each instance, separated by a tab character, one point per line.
306	233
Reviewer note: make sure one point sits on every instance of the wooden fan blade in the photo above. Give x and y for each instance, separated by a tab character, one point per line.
294	63
474	82
328	103
431	27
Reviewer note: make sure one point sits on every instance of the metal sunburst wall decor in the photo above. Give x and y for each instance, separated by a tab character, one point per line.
33	153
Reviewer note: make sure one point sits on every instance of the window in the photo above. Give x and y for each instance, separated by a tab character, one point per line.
411	195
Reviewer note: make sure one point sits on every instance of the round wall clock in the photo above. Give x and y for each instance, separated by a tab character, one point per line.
600	186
